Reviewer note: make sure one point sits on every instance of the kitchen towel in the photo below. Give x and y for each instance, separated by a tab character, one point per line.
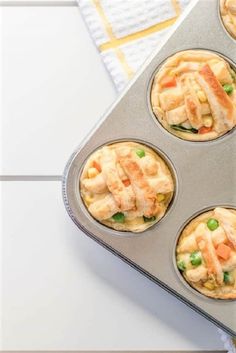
126	32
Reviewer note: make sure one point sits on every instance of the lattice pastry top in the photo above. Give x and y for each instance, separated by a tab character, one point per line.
194	95
126	186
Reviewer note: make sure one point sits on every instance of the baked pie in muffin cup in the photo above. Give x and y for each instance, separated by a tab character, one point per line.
206	253
228	15
193	95
126	186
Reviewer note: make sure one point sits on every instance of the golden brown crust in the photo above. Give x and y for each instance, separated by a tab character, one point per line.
135	186
192	103
216	88
222	106
197	231
205	244
145	195
124	197
187	91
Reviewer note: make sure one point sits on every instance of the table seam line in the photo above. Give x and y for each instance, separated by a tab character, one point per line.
39	3
30	177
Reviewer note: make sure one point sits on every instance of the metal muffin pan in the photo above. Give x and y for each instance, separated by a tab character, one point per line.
205	172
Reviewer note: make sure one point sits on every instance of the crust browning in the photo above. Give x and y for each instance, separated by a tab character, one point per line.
136	187
188	95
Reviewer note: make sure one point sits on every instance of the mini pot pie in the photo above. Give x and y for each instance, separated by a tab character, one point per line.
206	253
126	186
193	95
228	15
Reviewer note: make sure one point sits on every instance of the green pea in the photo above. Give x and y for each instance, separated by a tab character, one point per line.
228	88
119	217
212	224
151	219
181	265
227	277
196	258
140	153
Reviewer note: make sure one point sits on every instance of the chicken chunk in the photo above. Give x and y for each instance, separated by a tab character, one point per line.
197	274
230	264
219	236
149	165
162	184
171	99
222	73
188	244
96	185
176	116
228	222
104	209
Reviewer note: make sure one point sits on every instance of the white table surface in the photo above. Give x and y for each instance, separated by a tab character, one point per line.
61	290
55	88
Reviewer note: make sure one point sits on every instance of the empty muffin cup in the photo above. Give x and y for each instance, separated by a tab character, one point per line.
228	16
193	95
126	186
206	253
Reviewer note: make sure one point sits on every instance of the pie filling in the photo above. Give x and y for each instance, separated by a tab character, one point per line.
193	95
228	15
206	253
126	186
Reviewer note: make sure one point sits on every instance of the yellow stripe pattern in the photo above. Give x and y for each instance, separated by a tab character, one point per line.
119	53
137	35
115	43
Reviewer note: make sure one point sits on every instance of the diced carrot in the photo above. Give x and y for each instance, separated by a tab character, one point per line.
204	130
126	182
223	251
168	82
97	166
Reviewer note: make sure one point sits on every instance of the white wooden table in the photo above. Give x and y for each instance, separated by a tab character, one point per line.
61	291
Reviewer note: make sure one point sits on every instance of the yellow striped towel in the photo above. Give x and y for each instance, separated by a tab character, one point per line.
126	32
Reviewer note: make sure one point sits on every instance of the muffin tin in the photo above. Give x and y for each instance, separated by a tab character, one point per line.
205	172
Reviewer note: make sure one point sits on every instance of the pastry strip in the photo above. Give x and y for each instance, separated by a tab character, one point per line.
204	241
192	104
145	195
124	196
222	107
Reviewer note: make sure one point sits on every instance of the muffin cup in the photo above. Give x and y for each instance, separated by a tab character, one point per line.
203	287
168	101
136	224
